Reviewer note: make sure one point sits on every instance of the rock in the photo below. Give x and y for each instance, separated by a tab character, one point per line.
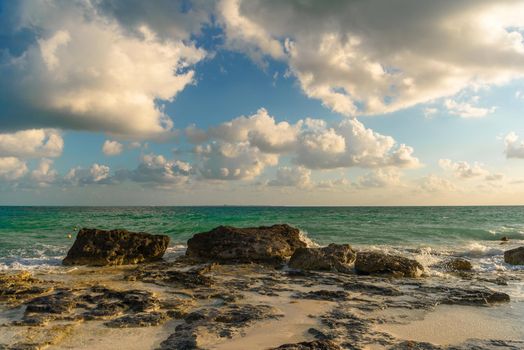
458	264
311	345
142	319
334	257
116	247
514	256
504	239
330	295
380	263
20	286
270	245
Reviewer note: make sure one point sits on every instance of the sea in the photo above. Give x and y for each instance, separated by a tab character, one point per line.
39	237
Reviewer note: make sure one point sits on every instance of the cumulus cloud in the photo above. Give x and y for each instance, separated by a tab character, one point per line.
514	146
96	174
232	161
112	148
465	170
260	130
380	178
33	143
44	174
347	144
292	177
312	143
433	183
12	168
87	71
157	171
371	57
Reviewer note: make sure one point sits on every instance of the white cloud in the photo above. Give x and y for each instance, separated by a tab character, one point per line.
467	109
371	57
310	143
433	183
464	169
44	174
12	168
96	174
33	143
292	177
380	178
514	148
260	129
112	148
348	144
88	72
157	171
232	161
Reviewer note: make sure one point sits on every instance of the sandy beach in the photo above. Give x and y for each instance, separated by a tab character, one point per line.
177	304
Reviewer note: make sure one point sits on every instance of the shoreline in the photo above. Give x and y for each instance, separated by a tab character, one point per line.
371	307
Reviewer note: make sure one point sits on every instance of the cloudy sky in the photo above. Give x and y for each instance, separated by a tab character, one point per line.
377	102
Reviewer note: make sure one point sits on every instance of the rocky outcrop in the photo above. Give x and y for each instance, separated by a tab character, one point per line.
334	257
116	247
263	244
458	264
514	256
369	263
311	345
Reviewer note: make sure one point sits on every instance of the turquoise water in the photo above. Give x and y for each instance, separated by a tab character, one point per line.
38	235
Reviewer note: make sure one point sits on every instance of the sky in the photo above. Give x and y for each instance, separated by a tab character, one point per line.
261	102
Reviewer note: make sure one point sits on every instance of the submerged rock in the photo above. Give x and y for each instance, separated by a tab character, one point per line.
334	257
514	256
368	263
458	264
116	247
263	244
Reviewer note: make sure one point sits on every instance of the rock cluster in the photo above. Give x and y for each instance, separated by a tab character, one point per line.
116	247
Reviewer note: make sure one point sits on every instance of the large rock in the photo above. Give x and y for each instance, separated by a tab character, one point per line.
116	247
263	244
334	257
514	256
380	263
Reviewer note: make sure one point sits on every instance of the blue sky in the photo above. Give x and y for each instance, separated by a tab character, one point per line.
177	103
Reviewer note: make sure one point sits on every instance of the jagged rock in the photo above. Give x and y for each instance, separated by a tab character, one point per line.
331	295
334	257
514	256
263	244
311	345
20	286
368	263
142	319
116	247
458	264
413	345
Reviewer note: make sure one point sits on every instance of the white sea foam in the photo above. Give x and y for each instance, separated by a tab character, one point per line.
309	242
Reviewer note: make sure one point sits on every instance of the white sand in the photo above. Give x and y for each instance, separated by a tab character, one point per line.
456	324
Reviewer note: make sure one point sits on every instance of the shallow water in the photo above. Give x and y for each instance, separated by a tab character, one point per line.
38	236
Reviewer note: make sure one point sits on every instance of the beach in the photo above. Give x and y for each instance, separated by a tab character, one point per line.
181	303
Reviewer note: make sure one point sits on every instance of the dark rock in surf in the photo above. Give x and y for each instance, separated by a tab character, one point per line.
458	264
334	257
116	247
263	244
370	263
514	256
